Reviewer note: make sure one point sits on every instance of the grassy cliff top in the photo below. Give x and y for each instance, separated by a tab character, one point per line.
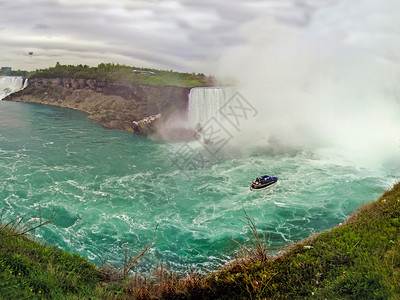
124	74
357	260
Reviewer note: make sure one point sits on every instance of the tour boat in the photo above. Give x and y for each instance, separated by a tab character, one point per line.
263	182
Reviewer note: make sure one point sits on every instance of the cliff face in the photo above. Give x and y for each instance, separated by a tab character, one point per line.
135	108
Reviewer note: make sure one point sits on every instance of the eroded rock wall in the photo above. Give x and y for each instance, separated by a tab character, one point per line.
114	105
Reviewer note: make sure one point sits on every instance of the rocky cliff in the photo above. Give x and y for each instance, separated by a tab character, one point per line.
135	108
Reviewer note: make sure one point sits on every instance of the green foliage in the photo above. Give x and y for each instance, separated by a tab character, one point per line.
29	268
15	73
123	74
356	285
358	260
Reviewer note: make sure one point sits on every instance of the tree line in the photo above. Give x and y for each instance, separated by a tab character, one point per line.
124	74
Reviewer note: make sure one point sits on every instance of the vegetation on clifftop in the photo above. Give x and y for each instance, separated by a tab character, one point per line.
124	74
15	73
357	260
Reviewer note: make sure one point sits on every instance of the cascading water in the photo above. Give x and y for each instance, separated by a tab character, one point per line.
11	84
205	103
25	83
111	188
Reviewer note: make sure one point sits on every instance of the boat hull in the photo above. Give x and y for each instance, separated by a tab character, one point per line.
259	187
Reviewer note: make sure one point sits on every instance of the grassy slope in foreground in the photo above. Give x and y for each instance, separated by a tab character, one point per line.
357	260
29	269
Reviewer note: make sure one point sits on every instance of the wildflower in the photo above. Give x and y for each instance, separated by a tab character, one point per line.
10	272
256	282
40	292
19	274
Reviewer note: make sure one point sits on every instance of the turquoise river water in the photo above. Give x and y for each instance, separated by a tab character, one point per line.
109	189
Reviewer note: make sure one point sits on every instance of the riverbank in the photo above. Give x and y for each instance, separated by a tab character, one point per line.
359	259
111	111
133	108
118	97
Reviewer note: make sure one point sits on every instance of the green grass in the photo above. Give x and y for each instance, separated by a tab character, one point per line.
31	269
125	75
357	260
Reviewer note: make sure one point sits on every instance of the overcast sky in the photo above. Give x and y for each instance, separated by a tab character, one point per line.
184	35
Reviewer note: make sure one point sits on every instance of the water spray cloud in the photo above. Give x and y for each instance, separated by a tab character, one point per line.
332	82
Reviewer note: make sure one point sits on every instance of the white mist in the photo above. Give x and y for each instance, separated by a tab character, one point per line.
331	82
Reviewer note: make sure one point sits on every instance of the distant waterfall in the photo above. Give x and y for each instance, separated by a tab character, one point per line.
205	103
25	83
11	84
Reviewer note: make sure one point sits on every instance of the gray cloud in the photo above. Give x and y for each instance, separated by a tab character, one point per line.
40	26
181	34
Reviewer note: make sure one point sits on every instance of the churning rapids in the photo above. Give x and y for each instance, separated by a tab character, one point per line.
324	81
109	189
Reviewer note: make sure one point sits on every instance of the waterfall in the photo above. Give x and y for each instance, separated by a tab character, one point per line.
205	103
11	84
25	83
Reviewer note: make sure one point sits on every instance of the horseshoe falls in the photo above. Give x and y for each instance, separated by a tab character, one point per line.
205	103
109	190
318	108
11	84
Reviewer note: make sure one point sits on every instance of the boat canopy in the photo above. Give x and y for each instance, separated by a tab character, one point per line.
264	178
